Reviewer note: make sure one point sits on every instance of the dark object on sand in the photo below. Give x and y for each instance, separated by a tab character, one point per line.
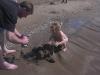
64	1
42	52
52	3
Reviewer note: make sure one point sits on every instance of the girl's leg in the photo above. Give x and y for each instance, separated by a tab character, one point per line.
7	51
65	47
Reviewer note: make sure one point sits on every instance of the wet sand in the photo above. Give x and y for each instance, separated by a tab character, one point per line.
81	24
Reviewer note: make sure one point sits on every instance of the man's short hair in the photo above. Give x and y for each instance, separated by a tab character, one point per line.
28	5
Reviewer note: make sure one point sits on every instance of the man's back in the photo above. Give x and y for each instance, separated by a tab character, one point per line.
8	13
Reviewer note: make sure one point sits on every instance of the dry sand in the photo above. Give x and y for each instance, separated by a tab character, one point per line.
81	24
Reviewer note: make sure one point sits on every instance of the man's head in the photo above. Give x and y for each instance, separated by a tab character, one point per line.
26	8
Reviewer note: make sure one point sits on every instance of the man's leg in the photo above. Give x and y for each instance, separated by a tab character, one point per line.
3	63
4	47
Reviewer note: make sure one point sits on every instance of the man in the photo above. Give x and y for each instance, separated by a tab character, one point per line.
6	50
9	13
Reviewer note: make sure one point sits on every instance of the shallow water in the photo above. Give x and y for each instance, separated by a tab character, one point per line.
73	25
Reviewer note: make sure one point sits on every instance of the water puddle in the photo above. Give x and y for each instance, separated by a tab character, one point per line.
75	24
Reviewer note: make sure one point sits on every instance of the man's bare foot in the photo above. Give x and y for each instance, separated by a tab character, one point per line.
7	66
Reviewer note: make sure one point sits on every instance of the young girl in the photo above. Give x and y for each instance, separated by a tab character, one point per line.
57	35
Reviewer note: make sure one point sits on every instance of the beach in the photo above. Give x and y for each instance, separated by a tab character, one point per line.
80	20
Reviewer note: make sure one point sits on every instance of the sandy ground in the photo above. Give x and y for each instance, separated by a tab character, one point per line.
80	23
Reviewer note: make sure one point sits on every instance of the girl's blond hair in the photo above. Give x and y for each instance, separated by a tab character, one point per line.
56	24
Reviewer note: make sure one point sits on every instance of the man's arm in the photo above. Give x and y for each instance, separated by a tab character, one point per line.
17	33
13	37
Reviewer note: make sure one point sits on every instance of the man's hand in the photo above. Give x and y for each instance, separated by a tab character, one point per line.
24	40
18	39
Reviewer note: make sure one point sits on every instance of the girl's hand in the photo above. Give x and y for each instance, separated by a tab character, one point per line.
57	43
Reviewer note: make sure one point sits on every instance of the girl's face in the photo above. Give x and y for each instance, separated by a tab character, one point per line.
53	29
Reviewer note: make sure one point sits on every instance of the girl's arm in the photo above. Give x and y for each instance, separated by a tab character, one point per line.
64	39
51	41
